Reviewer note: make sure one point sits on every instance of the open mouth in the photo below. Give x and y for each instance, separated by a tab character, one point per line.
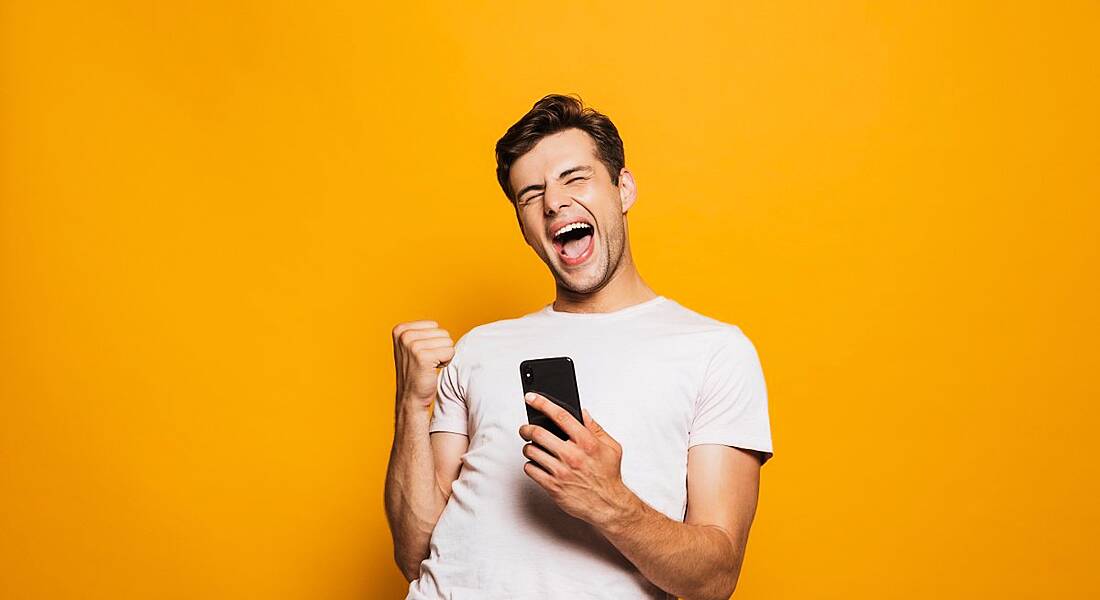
574	242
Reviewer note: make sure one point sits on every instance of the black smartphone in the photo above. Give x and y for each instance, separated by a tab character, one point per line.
555	379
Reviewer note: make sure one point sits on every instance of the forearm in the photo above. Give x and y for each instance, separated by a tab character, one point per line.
694	562
413	497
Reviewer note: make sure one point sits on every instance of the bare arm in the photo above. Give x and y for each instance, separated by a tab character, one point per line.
699	559
421	467
418	485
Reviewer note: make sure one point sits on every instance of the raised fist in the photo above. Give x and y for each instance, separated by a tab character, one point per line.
419	348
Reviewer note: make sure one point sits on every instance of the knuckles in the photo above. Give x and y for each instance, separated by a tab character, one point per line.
403	333
573	461
588	446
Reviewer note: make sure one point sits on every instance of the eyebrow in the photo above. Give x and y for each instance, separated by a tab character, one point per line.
562	175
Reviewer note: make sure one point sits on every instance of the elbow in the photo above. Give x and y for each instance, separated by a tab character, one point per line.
720	588
726	585
716	593
409	566
725	582
713	594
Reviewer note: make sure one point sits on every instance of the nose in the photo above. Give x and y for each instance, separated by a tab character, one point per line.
554	199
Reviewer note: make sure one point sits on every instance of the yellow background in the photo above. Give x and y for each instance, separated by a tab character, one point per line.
212	213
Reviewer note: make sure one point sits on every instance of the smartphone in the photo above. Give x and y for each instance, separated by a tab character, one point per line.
555	379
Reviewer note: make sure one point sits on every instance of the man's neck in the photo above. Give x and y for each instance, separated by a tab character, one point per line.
626	288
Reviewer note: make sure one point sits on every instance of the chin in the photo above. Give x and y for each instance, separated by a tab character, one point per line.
593	276
582	283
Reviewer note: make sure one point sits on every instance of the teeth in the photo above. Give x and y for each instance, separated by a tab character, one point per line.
571	227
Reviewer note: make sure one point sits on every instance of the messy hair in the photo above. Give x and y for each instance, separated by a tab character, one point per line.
550	115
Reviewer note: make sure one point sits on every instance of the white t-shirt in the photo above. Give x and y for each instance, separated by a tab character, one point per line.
657	376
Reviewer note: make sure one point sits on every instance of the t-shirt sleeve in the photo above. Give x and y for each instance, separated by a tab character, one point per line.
449	410
732	408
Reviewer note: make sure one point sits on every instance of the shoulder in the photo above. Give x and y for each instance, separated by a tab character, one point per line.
715	331
728	360
722	344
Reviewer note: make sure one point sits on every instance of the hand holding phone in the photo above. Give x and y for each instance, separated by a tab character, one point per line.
555	379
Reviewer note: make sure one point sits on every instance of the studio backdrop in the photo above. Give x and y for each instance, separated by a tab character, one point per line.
212	214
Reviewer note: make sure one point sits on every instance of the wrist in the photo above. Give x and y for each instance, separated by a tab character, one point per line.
409	410
626	513
413	403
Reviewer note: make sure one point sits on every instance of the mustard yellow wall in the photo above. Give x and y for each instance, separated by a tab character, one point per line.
212	213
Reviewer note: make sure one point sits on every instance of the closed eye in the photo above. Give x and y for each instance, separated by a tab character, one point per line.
527	199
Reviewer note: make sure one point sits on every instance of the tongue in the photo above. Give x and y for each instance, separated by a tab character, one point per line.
574	248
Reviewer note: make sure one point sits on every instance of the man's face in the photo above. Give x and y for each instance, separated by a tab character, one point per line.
560	182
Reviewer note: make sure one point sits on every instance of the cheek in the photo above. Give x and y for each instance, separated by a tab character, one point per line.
525	229
531	236
613	230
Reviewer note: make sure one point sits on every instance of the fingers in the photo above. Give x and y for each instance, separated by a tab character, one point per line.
429	343
568	423
542	458
549	442
419	348
412	325
409	336
425	341
540	476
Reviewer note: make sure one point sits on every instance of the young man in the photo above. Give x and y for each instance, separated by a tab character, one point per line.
654	493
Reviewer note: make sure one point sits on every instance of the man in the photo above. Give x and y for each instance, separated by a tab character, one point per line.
654	493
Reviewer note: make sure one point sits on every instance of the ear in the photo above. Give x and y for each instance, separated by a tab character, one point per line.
628	191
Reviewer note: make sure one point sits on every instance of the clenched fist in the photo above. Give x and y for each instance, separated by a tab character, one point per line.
419	348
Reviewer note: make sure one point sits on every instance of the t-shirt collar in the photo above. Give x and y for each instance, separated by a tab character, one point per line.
627	310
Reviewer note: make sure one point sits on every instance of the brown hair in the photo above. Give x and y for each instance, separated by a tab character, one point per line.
548	116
